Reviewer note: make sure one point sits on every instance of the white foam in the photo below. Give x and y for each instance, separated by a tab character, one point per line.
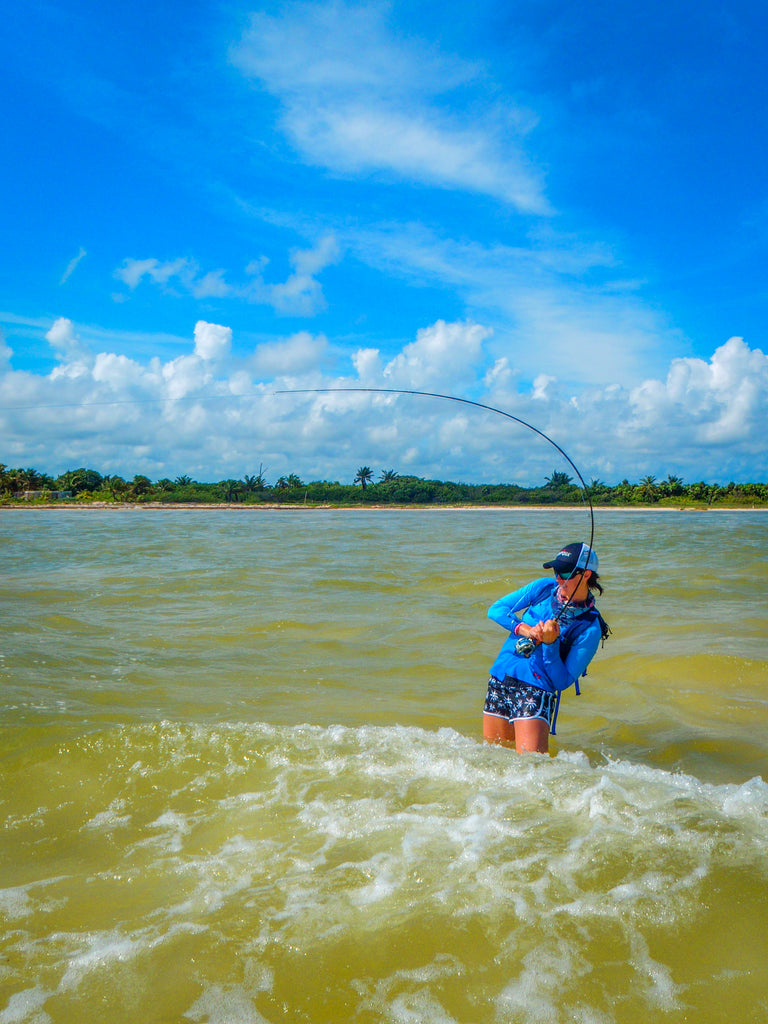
404	997
383	884
418	1008
26	1007
358	832
111	818
15	903
219	1005
536	992
660	990
98	950
749	801
172	821
171	828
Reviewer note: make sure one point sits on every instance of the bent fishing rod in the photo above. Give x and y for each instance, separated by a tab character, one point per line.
525	645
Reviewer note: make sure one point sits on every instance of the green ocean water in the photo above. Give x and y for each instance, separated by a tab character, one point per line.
242	780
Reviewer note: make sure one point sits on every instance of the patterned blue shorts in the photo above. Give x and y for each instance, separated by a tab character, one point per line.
513	699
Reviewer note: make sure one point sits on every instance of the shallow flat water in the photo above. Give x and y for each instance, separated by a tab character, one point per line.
241	776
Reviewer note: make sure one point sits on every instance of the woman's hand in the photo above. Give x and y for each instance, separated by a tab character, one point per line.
546	632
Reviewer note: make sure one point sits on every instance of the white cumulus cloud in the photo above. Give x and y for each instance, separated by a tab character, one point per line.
184	375
720	402
442	355
298	354
212	341
74	357
117	371
213	414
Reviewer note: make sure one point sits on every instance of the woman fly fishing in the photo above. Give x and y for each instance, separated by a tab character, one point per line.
555	630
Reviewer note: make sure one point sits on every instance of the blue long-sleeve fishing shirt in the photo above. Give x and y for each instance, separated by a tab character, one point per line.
545	667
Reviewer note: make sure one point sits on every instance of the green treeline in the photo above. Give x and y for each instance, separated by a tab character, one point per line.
391	488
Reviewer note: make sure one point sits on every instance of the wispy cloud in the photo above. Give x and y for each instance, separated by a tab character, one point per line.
358	100
557	304
73	265
5	350
133	271
300	294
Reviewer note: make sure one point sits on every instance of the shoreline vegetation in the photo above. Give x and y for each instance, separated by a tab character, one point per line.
84	488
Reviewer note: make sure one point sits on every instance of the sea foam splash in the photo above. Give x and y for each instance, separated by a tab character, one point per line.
373	874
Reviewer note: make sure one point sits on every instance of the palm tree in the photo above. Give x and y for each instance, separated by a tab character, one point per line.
387	476
558	480
256	482
673	484
183	481
624	491
116	486
231	489
598	489
139	486
648	489
24	479
364	476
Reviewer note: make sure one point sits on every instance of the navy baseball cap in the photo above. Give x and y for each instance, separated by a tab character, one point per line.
572	557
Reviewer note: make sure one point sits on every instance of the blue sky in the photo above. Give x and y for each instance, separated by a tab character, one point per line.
559	210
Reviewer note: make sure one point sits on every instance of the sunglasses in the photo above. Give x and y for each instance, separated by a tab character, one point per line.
568	575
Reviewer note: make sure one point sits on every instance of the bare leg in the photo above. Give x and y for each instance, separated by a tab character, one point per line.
498	730
524	734
531	734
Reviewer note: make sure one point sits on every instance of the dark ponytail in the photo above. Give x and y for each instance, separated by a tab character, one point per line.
594	583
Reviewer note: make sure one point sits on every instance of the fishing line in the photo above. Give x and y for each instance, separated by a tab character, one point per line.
525	648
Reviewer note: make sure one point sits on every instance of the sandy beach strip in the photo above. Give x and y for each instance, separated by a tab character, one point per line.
154	506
